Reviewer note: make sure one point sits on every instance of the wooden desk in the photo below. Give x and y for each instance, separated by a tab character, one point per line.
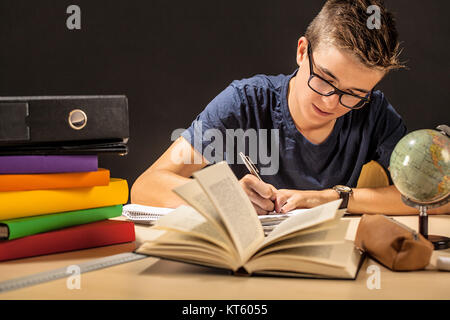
152	278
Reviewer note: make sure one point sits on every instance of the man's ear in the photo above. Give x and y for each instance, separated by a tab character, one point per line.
302	51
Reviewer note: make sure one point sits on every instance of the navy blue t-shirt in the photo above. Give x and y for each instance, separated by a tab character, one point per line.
260	102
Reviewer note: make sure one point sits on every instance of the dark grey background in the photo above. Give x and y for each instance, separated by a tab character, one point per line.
172	57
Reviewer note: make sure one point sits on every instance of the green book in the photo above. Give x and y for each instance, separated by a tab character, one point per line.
22	227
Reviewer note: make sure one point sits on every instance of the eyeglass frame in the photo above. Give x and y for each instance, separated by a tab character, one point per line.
339	92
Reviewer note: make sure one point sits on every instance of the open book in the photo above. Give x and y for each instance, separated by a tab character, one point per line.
221	229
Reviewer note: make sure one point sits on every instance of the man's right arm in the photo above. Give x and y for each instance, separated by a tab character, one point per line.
175	167
172	169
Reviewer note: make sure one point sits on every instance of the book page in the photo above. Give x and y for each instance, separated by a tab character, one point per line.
193	194
303	220
319	227
234	207
324	237
340	260
180	251
187	219
326	254
190	256
171	237
164	243
266	219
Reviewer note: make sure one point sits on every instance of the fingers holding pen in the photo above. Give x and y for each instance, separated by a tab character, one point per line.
261	194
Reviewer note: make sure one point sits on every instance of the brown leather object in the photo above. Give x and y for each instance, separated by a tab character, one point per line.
393	244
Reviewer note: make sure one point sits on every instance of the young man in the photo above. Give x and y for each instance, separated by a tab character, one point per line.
328	120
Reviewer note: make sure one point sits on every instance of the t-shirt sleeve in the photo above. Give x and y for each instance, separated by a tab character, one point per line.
207	132
389	129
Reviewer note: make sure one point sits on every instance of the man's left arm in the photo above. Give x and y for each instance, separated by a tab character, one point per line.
386	200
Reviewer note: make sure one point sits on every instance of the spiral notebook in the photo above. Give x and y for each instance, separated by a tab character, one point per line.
144	214
147	215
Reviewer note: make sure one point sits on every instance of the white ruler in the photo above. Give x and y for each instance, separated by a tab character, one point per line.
46	276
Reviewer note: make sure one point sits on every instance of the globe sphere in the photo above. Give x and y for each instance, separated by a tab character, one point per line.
420	165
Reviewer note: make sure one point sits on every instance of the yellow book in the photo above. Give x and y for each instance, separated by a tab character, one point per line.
18	204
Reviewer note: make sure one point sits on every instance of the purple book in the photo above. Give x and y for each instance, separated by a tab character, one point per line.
48	164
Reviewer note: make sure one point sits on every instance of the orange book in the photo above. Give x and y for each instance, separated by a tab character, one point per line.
46	181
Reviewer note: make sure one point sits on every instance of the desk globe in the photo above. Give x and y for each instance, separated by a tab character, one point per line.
420	169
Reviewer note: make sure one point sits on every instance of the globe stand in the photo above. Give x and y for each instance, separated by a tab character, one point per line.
439	242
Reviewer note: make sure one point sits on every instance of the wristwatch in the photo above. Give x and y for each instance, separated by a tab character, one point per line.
344	193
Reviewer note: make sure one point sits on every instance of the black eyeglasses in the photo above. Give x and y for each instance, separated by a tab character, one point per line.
325	88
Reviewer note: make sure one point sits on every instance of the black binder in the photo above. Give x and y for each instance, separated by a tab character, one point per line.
66	149
64	125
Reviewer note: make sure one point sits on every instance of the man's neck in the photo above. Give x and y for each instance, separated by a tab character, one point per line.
317	135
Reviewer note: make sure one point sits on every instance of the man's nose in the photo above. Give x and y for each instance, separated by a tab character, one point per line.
330	102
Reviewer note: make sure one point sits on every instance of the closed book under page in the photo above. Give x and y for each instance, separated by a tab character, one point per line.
221	229
96	234
46	181
47	164
22	227
19	204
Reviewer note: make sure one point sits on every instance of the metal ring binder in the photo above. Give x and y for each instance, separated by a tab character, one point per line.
77	119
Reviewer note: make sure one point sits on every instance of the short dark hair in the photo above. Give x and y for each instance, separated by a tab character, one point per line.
343	23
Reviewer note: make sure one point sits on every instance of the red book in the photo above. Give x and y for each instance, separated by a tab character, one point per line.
96	234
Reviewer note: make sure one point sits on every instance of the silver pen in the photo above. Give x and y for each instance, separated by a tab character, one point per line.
254	171
250	166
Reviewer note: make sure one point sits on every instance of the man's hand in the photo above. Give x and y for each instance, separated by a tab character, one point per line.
288	200
261	194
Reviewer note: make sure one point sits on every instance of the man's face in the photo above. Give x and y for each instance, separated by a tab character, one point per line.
341	69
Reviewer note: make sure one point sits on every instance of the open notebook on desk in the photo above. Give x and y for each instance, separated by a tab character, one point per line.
144	214
141	214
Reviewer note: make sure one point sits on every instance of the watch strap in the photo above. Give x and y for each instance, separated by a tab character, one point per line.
344	193
344	196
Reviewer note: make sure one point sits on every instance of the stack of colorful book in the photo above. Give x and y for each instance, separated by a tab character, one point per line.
58	203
